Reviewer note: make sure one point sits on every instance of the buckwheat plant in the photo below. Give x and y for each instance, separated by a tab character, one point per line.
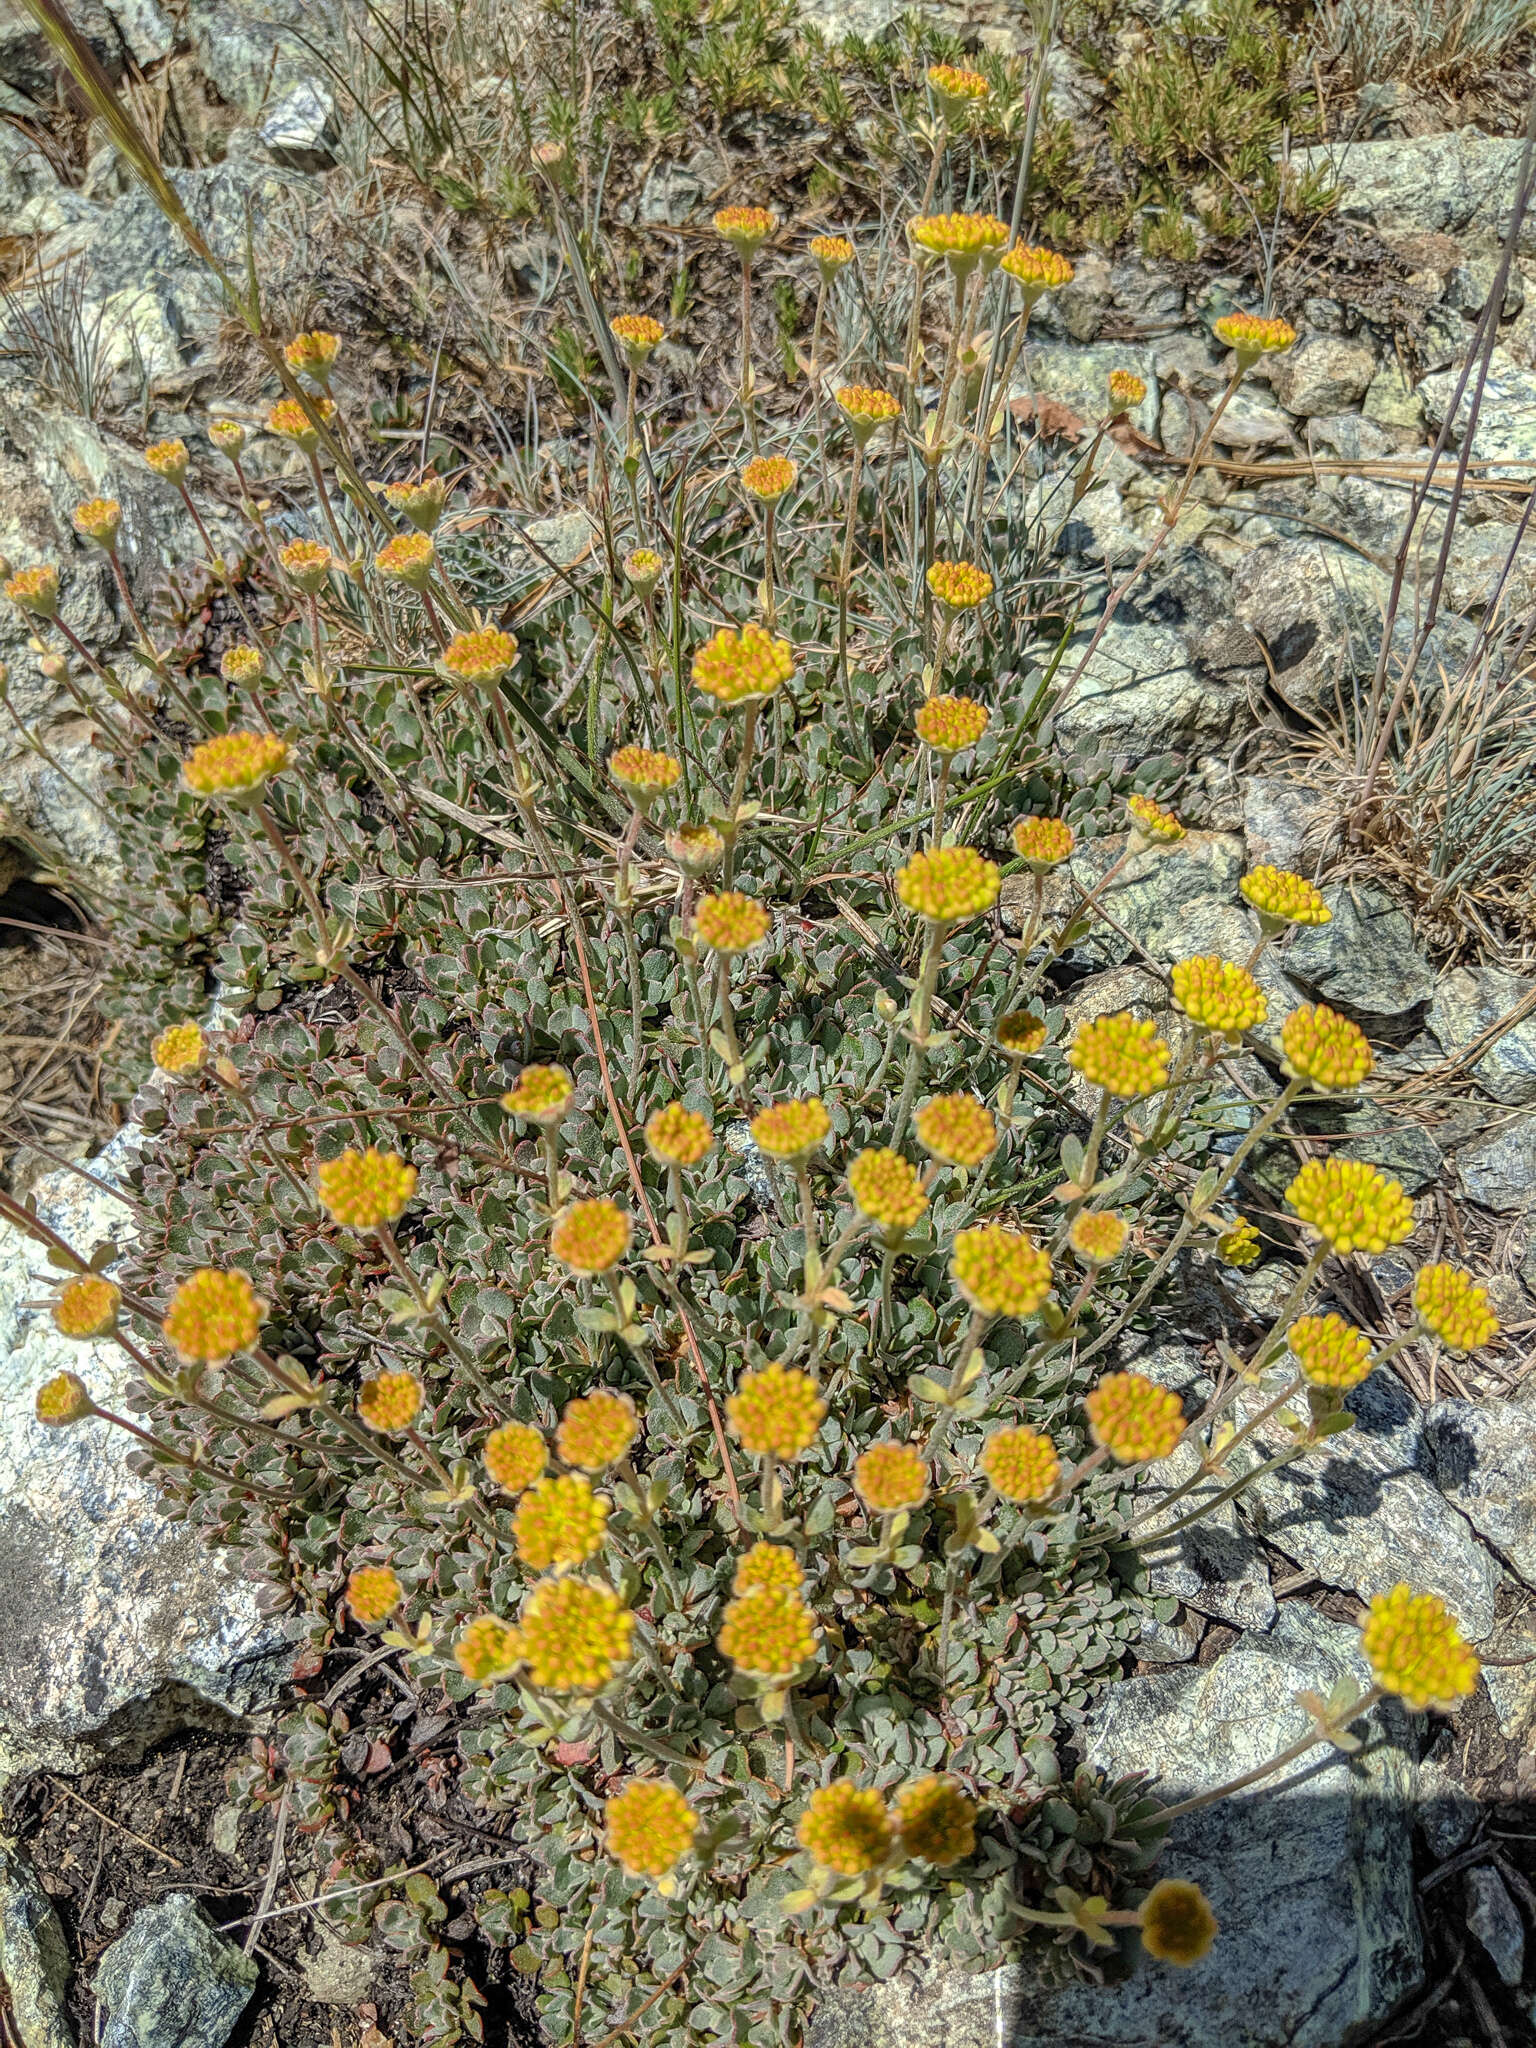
651	1251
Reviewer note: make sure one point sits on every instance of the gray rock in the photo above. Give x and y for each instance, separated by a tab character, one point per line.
562	540
34	1956
1494	1918
1349	436
1482	1457
1392	400
1170	1642
1458	184
1469	285
1249	422
302	132
1311	1878
250	55
1077	375
1505	434
171	1981
1277	814
116	1625
1318	609
338	1972
671	194
1396	1144
1323	373
1500	1171
1363	961
1138	696
1487	562
1471	1000
1446	1814
867	19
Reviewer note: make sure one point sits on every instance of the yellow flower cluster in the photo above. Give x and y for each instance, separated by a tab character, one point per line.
390	1402
407	559
963	239
1416	1651
574	1635
228	436
1150	821
559	1522
1176	1922
179	1049
542	1094
312	354
596	1430
951	724
637	334
1000	1272
948	884
1250	335
730	922
1451	1305
308	562
1285	898
768	1633
62	1400
1043	842
1121	1053
866	408
1021	1463
889	1477
87	1307
99	520
648	1827
168	459
1351	1206
888	1189
1020	1034
958	1129
1330	1352
591	1237
767	1566
846	1828
643	773
775	1412
421	503
488	1648
212	1316
742	667
364	1189
1238	1245
514	1455
959	585
1324	1048
35	589
791	1130
695	848
952	83
832	253
289	420
643	567
679	1136
1126	390
746	228
483	656
240	664
1037	270
1097	1236
768	477
936	1821
1218	996
1133	1418
233	763
373	1593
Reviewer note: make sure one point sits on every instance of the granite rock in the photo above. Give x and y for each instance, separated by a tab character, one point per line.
171	1981
34	1956
1323	374
1471	1000
1499	1171
1138	696
1460	183
1364	961
1482	1457
1505	434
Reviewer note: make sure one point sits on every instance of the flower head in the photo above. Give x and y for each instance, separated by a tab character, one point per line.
575	1635
742	667
1000	1272
1043	843
212	1316
695	848
390	1402
515	1456
1021	1464
1152	824
364	1189
1351	1206
730	922
420	504
948	884
179	1049
1217	996
1282	897
746	228
591	1237
890	1476
767	1566
791	1130
240	664
1121	1053
768	477
483	656
373	1593
642	773
1451	1306
936	1821
642	568
866	408
1097	1236
951	724
409	559
954	88
775	1412
1133	1418
542	1094
1037	271
62	1400
649	1827
847	1828
228	436
1126	390
1238	1244
679	1136
596	1430
962	239
961	586
290	420
1020	1034
1250	335
1176	1922
559	1522
888	1189
168	459
312	354
488	1648
958	1129
99	520
768	1633
637	334
1330	1352
1324	1048
1416	1651
87	1307
234	763
307	563
35	590
832	253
